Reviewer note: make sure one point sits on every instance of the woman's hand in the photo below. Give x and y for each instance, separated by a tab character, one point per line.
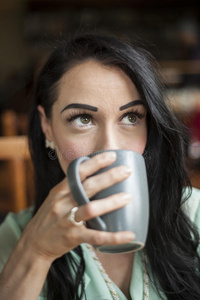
50	233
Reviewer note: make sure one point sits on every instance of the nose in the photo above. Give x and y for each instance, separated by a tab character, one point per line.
108	140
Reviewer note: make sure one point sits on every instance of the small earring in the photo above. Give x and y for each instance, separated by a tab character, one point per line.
49	144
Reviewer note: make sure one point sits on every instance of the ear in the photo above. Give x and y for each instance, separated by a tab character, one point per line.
45	124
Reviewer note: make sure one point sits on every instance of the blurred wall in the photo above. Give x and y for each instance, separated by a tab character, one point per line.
12	46
29	27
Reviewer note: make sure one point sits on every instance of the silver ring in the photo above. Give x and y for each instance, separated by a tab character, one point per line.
72	217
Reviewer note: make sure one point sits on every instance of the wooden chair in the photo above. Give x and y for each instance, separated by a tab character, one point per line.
13	123
14	149
9	123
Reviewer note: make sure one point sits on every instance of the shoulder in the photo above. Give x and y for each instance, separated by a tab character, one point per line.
10	232
192	205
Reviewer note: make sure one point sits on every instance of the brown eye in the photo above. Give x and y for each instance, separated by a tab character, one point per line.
85	119
132	118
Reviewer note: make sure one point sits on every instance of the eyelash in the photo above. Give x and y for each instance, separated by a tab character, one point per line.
73	116
138	114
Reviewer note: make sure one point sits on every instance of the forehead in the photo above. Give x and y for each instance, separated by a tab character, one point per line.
92	82
95	73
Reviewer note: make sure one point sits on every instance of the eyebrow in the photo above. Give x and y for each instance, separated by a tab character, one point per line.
80	105
132	103
93	108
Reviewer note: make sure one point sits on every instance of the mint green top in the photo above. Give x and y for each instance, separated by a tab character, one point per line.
95	286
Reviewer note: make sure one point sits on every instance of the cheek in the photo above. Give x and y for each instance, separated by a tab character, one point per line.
139	148
68	151
138	143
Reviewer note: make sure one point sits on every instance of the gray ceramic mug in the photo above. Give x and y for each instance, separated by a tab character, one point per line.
132	217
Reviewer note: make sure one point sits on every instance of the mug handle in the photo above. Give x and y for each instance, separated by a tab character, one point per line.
78	191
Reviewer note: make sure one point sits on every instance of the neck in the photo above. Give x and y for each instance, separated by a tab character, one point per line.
119	269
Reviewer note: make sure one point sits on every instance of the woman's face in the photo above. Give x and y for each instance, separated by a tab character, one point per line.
98	108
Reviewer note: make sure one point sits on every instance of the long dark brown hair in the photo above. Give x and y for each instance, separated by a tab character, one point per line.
172	240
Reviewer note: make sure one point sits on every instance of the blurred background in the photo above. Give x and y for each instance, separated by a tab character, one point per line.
170	30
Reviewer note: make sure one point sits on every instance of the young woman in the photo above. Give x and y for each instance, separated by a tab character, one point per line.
96	93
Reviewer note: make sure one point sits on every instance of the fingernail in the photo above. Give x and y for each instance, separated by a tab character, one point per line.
110	155
125	170
126	197
130	236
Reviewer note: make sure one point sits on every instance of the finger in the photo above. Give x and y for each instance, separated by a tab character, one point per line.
97	162
95	237
61	189
96	183
87	168
102	206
